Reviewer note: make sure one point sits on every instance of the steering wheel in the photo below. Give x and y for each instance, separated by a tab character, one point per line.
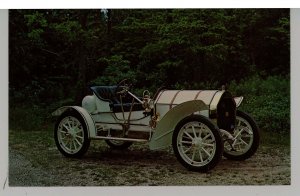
122	87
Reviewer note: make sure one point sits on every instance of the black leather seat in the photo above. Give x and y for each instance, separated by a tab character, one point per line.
107	93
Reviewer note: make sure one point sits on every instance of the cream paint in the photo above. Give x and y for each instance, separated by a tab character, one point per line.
238	100
162	136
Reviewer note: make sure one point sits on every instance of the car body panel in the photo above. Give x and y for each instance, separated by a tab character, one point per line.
170	98
238	100
162	136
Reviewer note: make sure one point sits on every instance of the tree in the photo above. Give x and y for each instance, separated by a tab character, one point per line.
56	53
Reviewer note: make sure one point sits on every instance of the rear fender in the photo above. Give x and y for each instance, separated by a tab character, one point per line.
162	136
85	115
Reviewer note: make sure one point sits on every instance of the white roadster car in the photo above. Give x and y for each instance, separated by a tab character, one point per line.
201	125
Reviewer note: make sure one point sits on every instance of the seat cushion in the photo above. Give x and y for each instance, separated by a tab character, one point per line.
105	93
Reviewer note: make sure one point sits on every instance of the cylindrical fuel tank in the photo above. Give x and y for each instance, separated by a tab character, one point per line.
221	104
175	97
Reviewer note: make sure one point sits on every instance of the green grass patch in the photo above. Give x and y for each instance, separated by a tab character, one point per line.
274	139
33	117
30	118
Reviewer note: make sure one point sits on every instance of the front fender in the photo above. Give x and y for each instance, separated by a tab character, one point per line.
85	115
162	136
238	100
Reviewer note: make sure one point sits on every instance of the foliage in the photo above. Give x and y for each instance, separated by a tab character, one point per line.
27	118
116	70
161	47
267	100
55	54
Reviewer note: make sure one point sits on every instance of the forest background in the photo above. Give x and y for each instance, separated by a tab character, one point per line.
55	54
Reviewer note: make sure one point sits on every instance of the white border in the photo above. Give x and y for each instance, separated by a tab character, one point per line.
17	4
295	96
4	98
186	190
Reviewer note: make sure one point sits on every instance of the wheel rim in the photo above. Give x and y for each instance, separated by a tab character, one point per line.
196	144
70	134
243	138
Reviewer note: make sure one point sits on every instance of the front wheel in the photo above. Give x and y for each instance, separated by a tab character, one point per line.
246	138
71	135
197	143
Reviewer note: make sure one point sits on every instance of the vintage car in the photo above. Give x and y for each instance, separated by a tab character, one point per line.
201	125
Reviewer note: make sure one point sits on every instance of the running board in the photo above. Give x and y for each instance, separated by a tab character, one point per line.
121	139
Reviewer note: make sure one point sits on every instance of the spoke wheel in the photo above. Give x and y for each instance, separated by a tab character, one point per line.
246	138
70	135
118	144
197	143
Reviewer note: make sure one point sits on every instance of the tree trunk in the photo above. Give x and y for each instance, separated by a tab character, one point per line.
81	86
108	21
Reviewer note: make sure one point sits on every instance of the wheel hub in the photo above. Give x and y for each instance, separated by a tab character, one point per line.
197	143
72	132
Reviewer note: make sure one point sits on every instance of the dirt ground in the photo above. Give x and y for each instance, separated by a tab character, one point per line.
39	163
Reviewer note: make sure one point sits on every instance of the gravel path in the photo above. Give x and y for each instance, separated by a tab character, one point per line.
23	173
139	166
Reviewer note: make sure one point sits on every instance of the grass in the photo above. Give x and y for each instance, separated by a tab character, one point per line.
138	165
273	138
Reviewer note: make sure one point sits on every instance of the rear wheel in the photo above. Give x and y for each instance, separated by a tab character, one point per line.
71	135
197	143
246	138
118	144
